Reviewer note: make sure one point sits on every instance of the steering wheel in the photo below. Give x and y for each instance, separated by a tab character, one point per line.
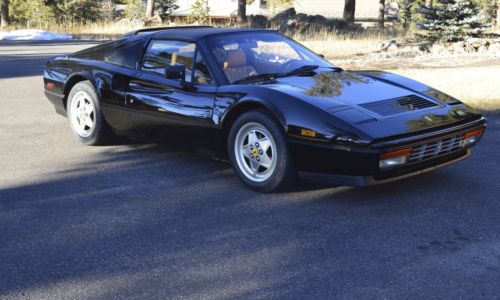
291	65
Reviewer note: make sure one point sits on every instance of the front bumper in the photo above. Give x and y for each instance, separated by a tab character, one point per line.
360	166
361	181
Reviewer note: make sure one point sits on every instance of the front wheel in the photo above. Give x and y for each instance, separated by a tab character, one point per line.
259	152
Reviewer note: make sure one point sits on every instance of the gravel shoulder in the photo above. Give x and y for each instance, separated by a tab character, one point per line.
476	86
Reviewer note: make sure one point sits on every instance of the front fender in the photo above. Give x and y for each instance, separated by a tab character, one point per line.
294	114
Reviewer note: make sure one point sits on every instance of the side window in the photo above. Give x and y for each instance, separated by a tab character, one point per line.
201	72
161	53
126	56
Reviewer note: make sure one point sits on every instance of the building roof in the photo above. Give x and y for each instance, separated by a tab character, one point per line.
222	8
365	9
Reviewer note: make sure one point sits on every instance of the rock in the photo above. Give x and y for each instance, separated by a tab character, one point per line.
290	22
137	23
483	49
494	49
470	48
281	19
457	48
388	46
302	18
439	49
154	21
283	16
258	21
124	23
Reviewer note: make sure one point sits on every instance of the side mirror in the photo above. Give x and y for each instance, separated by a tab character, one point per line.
175	72
321	55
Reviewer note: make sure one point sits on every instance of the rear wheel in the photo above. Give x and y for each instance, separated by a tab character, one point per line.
85	115
259	152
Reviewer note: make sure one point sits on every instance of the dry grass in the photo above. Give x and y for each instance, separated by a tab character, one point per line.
100	29
341	45
89	31
330	44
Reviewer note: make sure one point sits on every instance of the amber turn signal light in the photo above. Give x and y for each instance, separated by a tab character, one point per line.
473	133
308	133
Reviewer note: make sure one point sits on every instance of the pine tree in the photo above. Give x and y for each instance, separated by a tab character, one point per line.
199	12
135	9
82	10
31	13
406	12
490	8
452	20
108	8
165	7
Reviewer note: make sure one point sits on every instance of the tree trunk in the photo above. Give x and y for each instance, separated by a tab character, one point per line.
381	13
150	6
430	3
349	11
242	12
4	22
498	16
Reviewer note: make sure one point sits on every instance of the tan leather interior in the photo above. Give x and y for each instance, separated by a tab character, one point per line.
235	66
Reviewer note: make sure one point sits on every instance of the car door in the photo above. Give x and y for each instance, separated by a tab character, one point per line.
156	102
112	72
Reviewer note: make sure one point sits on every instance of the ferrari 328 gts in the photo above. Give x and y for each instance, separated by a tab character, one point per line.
272	107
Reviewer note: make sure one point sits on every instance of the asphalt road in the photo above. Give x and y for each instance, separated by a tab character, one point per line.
152	221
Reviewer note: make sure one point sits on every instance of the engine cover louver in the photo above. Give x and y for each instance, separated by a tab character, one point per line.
398	105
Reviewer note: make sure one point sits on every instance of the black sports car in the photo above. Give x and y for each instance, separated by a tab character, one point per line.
270	105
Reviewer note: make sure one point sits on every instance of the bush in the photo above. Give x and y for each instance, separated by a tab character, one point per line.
34	11
81	11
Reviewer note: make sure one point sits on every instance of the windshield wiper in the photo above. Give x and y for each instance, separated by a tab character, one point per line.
264	76
271	76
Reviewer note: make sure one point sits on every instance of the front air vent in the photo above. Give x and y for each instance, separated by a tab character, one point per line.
398	105
436	148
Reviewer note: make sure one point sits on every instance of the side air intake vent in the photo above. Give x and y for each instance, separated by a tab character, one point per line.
398	105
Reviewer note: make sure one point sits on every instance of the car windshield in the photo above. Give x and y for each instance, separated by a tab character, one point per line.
251	55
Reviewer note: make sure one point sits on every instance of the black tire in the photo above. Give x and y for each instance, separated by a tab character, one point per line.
284	173
101	132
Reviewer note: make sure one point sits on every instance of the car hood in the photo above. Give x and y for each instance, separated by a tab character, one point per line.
377	105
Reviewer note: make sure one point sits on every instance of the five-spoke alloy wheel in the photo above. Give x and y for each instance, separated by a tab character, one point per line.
255	152
82	114
85	116
259	152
